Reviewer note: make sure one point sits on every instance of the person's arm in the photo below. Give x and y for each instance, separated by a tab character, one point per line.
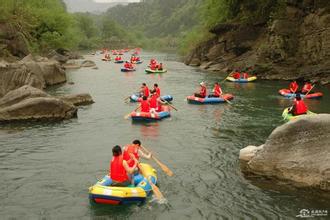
147	156
128	169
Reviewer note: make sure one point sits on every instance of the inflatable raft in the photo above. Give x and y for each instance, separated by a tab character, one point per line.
147	116
119	61
288	116
287	93
102	192
149	71
135	97
127	70
209	100
137	62
241	80
105	59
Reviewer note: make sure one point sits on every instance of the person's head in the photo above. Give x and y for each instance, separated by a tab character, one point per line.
137	142
143	84
216	83
116	151
298	97
126	61
202	84
160	63
156	85
144	97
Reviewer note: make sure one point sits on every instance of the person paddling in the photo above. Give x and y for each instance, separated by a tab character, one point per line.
307	87
202	92
157	90
293	87
119	168
217	91
144	90
155	102
160	66
144	104
236	75
133	152
126	65
299	107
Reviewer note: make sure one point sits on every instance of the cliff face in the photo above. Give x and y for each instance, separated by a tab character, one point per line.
295	45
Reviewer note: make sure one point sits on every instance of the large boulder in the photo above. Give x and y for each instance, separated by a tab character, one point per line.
39	108
298	151
21	94
78	99
15	75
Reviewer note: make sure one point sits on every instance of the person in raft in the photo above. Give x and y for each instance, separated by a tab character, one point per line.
119	168
299	107
307	87
118	58
236	74
144	104
244	75
127	65
157	90
133	152
144	90
160	66
202	92
155	102
217	91
293	87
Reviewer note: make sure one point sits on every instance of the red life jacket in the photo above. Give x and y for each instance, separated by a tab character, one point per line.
126	65
146	91
203	91
236	75
117	170
153	66
153	102
300	107
245	75
217	90
307	87
293	87
145	106
131	149
158	92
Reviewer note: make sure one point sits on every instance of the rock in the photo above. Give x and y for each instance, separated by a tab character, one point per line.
247	153
21	94
40	108
88	63
70	64
16	75
95	68
78	99
298	151
52	72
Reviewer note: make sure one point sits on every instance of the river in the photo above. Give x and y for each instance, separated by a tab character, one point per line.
46	168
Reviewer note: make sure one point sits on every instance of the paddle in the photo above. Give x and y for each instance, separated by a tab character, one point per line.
229	102
166	102
162	166
225	78
310	90
127	116
154	188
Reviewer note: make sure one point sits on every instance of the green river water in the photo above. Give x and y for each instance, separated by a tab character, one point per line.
46	168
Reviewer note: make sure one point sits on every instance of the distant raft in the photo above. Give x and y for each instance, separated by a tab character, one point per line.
147	116
209	100
241	80
127	69
137	62
119	61
150	71
105	59
135	98
287	93
288	116
103	193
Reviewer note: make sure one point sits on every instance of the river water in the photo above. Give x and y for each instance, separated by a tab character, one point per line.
46	168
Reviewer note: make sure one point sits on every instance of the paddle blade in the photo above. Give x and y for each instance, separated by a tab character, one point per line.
157	192
166	169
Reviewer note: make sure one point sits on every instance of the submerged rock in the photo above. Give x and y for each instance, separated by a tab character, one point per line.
298	151
88	63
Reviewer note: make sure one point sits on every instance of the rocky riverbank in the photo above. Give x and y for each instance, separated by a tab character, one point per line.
298	151
21	90
294	45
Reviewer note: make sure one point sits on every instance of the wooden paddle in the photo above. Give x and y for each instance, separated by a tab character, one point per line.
127	116
166	102
162	166
310	90
225	78
229	102
155	189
